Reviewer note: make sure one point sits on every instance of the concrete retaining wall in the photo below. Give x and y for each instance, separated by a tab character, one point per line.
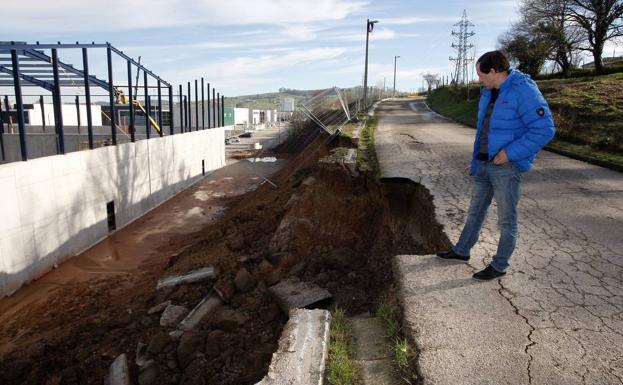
54	207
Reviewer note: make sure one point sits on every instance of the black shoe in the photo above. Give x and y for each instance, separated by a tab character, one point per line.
488	273
452	255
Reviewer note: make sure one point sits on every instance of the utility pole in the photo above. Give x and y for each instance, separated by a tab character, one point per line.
369	28
394	93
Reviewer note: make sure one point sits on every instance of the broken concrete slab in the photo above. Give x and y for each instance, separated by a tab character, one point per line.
293	293
203	308
118	373
190	277
303	349
172	315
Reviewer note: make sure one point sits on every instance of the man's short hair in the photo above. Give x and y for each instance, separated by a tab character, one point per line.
493	60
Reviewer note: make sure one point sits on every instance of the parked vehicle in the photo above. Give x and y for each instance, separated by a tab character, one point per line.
247	134
232	139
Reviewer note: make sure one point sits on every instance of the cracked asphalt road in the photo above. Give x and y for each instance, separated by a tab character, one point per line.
557	317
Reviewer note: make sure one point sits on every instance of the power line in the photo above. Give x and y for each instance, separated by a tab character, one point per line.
461	46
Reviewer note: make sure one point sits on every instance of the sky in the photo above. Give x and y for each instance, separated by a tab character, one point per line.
249	47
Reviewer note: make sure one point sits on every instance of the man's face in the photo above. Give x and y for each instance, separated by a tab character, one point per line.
487	80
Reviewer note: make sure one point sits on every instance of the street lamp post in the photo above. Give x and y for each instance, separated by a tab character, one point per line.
369	28
394	93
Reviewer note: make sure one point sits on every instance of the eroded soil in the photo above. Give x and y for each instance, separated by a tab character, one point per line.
319	224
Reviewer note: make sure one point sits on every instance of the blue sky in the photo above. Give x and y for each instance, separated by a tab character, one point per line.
247	47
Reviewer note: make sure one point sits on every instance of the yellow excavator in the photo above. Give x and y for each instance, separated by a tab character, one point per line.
120	98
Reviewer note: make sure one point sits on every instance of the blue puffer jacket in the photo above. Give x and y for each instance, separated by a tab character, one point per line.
521	122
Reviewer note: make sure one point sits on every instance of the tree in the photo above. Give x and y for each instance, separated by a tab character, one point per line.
601	20
550	21
432	80
527	50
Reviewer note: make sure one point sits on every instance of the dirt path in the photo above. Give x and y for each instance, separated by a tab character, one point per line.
556	318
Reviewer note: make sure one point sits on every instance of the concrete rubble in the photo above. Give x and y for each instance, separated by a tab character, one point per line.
190	277
203	308
172	315
118	373
293	294
303	349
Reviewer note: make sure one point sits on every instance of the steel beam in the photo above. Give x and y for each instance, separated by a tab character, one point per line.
161	131
131	105
218	109
203	120
188	111
181	110
58	109
214	107
196	107
147	107
20	105
171	125
209	108
42	112
87	95
111	99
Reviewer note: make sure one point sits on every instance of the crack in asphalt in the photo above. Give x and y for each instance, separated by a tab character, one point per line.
531	343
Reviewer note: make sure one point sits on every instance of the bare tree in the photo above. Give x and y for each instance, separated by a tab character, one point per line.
432	80
550	21
601	20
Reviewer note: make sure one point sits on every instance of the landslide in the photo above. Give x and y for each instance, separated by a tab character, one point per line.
320	224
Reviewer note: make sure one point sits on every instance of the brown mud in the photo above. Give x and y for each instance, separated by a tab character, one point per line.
320	224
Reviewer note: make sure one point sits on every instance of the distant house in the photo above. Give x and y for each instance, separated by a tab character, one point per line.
605	61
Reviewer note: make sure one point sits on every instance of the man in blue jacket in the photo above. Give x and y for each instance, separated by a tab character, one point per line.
514	123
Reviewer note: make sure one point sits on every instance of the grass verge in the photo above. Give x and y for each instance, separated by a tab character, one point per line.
403	352
341	368
366	153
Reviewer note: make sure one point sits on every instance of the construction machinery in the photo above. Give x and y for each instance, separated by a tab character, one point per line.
121	98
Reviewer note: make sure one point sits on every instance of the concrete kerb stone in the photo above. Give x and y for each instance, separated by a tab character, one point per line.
293	294
303	349
203	308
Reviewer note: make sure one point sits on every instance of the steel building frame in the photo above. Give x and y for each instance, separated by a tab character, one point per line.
23	64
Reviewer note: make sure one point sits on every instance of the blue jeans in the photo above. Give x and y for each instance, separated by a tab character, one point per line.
502	183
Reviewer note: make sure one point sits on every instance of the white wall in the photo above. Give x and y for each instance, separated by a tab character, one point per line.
54	207
70	117
241	116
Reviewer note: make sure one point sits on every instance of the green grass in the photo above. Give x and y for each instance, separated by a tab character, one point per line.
366	153
402	352
587	111
341	368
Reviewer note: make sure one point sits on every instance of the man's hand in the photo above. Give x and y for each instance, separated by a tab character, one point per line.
500	158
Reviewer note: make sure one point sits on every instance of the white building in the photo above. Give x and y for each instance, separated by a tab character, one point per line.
34	117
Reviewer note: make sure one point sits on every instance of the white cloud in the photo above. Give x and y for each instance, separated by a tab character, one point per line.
91	15
225	71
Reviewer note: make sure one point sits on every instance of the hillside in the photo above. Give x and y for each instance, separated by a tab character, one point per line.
268	101
588	112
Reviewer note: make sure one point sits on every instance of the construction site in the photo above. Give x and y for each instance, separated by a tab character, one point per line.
141	249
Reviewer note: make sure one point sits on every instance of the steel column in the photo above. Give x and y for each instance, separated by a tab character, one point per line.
20	104
214	107
8	111
181	110
131	97
160	108
111	98
42	113
2	133
147	106
209	108
78	111
189	111
203	120
186	112
171	125
218	109
196	107
87	95
223	109
58	104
